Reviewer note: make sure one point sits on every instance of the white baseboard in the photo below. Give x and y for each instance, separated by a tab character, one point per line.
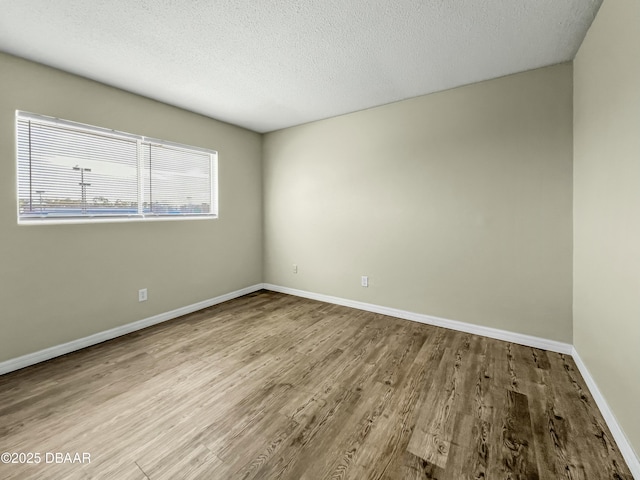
623	443
58	350
630	456
519	338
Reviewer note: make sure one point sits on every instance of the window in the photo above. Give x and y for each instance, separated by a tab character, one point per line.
73	172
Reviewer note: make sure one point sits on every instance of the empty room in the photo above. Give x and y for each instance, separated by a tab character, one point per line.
320	240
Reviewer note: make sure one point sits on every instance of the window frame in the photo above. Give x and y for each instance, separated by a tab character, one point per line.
141	141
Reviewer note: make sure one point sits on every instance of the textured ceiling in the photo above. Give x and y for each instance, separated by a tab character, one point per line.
271	64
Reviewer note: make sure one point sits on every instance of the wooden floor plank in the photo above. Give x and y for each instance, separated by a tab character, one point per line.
516	452
274	386
583	429
432	435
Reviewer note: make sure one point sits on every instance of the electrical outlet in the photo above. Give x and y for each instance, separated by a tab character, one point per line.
364	281
142	295
295	268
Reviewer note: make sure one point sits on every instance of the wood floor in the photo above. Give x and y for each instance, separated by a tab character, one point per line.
274	386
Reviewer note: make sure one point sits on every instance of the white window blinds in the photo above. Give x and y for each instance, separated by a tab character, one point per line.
72	171
176	180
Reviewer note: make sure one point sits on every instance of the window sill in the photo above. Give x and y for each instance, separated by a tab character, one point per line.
92	220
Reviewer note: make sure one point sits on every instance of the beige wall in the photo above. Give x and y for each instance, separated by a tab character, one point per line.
63	282
606	299
456	204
